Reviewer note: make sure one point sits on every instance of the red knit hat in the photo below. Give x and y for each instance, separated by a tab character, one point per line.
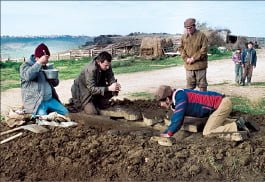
41	50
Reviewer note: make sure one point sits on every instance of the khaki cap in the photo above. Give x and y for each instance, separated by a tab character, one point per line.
163	92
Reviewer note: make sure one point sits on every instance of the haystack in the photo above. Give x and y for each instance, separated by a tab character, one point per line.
169	42
153	47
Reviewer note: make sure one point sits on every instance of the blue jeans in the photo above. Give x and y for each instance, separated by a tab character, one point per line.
238	71
52	105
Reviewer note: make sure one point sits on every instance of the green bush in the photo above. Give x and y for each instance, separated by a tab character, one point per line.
158	58
10	64
214	50
125	55
116	64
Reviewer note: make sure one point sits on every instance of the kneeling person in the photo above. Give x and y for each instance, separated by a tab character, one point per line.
39	96
95	85
186	102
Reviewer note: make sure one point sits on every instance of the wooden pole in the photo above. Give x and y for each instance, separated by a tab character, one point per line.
91	52
11	138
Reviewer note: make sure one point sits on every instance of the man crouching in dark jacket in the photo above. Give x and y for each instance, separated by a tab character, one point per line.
95	85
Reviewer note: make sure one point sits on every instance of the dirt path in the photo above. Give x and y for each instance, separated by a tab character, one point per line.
218	73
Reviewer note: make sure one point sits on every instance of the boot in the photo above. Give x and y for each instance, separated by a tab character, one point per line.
249	81
241	126
243	82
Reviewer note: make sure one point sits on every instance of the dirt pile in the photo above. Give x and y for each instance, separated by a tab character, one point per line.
102	149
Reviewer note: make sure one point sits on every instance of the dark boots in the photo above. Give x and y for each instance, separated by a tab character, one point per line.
243	82
248	81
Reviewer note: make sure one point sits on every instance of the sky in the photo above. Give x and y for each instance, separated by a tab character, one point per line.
94	18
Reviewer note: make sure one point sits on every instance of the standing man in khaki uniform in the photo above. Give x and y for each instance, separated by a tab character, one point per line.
193	49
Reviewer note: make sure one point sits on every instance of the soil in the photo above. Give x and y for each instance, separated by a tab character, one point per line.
104	149
107	149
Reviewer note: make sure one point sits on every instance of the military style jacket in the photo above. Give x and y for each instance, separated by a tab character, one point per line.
90	82
195	46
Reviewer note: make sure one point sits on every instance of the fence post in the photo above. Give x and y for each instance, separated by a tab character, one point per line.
70	54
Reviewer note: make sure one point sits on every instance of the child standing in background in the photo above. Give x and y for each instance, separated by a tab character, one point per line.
236	57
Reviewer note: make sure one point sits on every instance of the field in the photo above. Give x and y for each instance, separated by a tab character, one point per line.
103	149
70	69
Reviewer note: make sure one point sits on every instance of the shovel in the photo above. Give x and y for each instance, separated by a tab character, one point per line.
11	138
31	127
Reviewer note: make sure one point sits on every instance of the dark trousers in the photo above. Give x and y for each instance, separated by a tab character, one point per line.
98	102
248	70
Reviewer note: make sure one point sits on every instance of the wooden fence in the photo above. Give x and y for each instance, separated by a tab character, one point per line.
115	49
76	54
79	53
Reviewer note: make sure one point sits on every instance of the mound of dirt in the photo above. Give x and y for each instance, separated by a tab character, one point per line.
103	149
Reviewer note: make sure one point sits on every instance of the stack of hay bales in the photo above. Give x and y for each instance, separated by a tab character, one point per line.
169	42
153	47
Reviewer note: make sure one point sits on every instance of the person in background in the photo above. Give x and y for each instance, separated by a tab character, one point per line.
249	60
193	49
236	57
186	102
95	85
39	96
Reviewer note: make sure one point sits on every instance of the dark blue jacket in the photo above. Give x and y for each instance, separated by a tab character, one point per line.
194	103
253	55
